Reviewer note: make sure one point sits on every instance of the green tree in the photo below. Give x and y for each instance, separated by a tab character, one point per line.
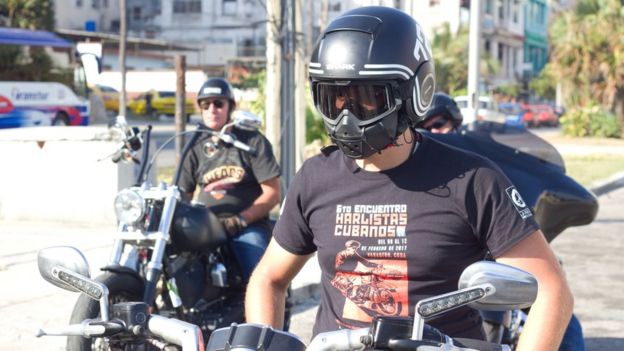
588	52
544	84
28	14
450	54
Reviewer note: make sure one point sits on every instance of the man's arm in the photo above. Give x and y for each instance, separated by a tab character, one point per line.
551	312
265	202
266	291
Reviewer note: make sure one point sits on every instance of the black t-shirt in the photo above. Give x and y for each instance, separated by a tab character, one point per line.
386	240
229	178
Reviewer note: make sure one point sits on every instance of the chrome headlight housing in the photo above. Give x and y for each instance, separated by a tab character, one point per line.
129	206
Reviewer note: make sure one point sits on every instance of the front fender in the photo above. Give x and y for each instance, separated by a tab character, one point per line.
123	270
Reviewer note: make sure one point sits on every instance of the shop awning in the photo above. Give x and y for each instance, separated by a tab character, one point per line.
15	36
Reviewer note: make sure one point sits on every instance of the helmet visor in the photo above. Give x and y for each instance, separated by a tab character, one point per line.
365	101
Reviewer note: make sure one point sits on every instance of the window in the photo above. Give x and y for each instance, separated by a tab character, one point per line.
186	6
229	7
78	3
95	4
488	7
501	54
136	13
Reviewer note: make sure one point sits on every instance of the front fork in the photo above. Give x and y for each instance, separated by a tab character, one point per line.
160	240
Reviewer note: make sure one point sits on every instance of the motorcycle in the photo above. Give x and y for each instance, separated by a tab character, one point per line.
371	291
538	172
483	285
171	255
131	328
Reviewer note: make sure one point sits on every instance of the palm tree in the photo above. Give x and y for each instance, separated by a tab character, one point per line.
450	54
587	54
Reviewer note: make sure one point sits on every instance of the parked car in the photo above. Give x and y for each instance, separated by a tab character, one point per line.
487	111
109	96
539	115
162	102
513	112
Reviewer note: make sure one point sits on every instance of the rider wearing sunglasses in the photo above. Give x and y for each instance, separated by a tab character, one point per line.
443	116
239	187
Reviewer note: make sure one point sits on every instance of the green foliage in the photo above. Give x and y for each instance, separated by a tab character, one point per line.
256	81
28	14
450	55
593	121
315	129
544	85
508	90
587	54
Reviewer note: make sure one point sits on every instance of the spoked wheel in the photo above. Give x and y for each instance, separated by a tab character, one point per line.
388	303
121	288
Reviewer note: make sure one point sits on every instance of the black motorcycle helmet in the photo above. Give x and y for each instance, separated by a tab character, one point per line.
445	106
217	88
372	76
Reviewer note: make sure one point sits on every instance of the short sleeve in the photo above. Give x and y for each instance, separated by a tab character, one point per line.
499	214
264	164
292	230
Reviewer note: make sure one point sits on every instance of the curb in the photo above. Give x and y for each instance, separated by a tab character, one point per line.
602	187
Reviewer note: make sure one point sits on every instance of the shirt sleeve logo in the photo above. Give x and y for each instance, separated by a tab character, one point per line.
518	202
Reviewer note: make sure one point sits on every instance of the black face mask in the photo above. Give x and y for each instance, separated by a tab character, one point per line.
361	142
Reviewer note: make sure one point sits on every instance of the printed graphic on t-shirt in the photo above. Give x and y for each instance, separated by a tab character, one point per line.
218	180
518	202
371	270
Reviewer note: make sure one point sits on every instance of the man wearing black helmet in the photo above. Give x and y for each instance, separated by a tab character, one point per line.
422	210
239	187
443	116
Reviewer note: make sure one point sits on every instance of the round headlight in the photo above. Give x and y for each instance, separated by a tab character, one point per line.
129	206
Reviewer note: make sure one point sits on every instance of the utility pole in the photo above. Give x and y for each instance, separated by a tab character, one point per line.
287	94
474	58
123	32
323	15
300	85
180	106
273	87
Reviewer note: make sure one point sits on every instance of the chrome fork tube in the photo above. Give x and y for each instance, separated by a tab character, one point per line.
154	267
118	246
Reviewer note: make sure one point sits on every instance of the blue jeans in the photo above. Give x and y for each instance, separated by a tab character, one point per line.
573	337
248	247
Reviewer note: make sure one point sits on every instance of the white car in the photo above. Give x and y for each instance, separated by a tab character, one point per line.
488	110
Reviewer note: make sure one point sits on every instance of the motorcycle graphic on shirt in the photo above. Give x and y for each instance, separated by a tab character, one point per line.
370	285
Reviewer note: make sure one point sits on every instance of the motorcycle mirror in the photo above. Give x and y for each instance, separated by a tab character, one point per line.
67	257
514	288
246	120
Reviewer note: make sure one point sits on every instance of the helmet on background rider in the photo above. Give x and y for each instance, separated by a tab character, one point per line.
372	76
444	105
217	88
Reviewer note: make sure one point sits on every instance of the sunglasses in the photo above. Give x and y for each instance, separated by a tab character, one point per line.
437	124
217	104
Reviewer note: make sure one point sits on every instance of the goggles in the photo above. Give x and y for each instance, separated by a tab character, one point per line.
365	101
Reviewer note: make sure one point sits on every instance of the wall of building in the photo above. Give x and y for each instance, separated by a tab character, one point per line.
76	14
